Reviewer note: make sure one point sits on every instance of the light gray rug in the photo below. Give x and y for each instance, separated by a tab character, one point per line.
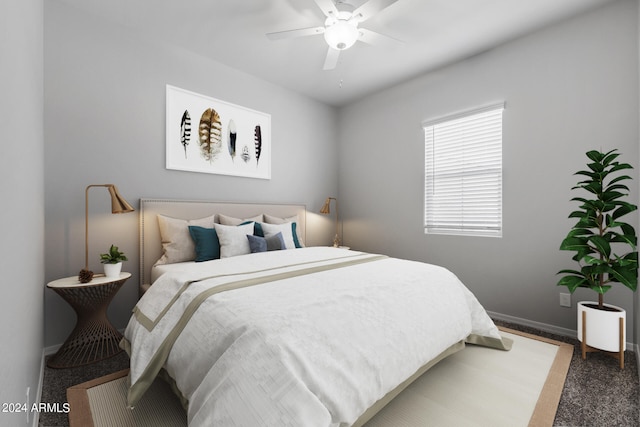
477	386
480	386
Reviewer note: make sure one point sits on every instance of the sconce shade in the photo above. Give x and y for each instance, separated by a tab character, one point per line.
118	203
326	208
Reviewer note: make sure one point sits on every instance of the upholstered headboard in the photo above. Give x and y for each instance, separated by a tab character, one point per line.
151	243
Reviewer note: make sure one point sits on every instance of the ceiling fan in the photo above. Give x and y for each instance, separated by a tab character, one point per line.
340	29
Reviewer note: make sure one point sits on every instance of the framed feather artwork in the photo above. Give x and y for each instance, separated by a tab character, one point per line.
208	135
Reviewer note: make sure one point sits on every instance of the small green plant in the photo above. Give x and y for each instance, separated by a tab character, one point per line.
114	256
599	230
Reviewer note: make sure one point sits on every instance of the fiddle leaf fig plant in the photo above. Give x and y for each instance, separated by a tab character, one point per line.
600	231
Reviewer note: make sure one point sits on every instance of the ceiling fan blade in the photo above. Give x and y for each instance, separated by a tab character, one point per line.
302	32
328	7
377	39
370	8
331	60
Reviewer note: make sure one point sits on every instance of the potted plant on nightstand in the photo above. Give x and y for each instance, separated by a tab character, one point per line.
112	261
595	238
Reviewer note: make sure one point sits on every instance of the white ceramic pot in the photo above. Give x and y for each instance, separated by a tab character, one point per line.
112	270
603	326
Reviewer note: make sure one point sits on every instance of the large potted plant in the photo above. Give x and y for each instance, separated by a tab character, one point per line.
605	248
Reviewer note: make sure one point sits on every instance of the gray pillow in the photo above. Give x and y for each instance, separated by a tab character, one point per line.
275	242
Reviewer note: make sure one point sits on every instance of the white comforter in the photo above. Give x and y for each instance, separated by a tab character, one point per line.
316	349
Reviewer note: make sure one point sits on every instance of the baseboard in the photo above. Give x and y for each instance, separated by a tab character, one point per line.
538	325
571	333
48	351
35	422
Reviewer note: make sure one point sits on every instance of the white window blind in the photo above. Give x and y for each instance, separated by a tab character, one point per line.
463	173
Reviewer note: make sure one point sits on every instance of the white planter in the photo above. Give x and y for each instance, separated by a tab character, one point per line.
602	326
112	270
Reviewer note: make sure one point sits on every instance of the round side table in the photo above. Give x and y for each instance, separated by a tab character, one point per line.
94	338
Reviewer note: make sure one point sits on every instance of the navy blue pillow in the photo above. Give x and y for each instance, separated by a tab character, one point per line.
264	244
206	241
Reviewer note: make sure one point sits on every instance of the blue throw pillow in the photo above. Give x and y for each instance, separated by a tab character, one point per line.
295	235
206	242
264	244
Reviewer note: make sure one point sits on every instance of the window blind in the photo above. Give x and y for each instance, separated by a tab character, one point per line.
463	173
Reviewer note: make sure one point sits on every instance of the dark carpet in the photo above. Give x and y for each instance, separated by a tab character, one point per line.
57	381
596	392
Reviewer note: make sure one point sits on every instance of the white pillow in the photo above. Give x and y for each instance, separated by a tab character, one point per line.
177	244
233	239
229	220
285	229
270	219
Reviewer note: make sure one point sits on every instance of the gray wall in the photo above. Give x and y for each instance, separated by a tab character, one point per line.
22	195
569	88
105	123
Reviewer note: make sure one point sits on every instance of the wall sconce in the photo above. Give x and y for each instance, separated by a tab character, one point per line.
118	205
326	209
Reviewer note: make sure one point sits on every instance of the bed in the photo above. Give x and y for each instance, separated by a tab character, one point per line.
251	327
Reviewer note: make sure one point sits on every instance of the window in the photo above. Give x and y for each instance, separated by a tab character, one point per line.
463	174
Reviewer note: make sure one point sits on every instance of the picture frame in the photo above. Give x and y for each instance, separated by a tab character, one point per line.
208	135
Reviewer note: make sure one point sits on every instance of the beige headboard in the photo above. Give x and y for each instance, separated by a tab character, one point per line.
151	243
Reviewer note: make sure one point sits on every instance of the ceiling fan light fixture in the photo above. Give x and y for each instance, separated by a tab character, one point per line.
341	35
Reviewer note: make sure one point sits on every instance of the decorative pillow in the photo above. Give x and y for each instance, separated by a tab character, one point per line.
257	228
297	239
206	243
270	219
233	239
229	220
274	242
287	232
177	244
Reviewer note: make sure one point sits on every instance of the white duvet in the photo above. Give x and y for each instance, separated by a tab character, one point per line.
315	349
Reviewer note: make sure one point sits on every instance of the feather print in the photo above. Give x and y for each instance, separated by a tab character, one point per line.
257	136
245	154
210	132
232	139
185	131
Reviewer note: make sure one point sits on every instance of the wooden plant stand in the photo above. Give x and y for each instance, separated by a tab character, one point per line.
588	349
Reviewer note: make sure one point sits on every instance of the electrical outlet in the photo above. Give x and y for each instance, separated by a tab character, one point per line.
565	300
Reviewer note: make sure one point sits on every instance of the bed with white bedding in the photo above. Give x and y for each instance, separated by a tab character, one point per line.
314	336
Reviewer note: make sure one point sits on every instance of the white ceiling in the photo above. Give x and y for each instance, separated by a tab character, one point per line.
433	32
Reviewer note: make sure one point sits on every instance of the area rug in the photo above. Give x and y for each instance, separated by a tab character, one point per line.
477	386
103	402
